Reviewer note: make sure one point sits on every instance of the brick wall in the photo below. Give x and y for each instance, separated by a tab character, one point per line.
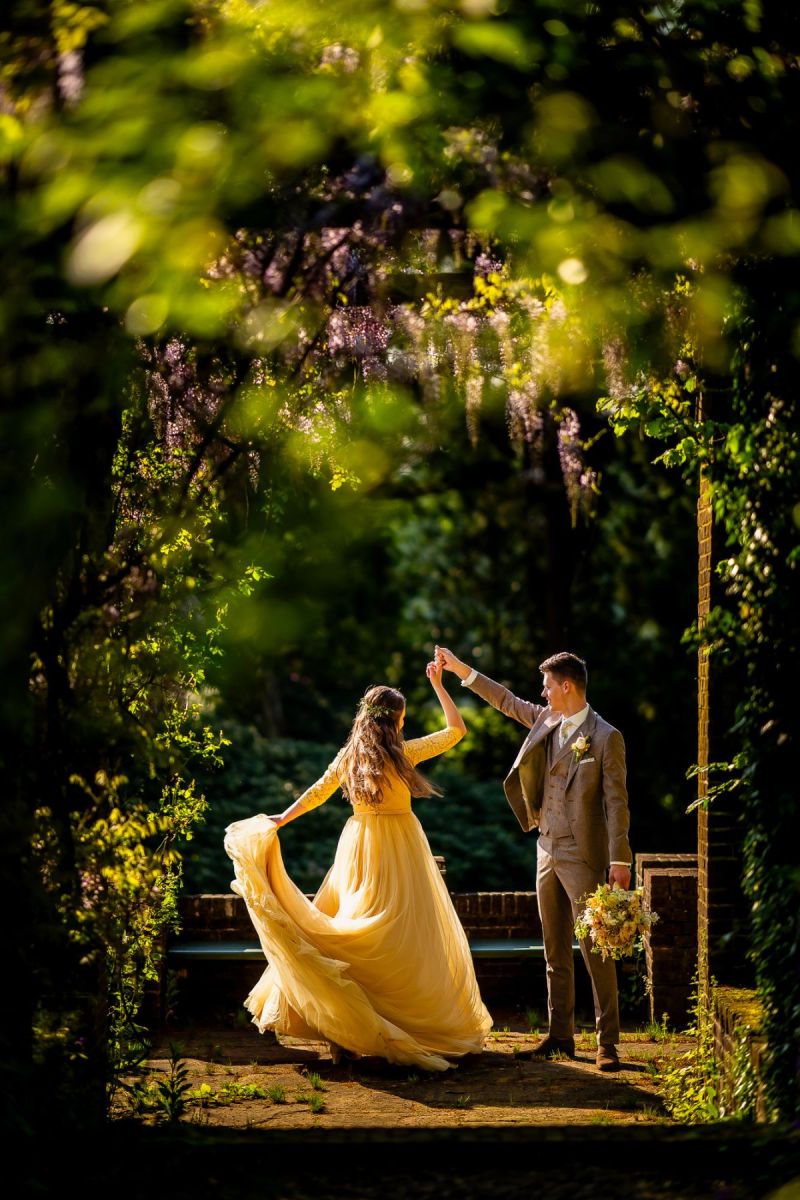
498	914
670	884
219	918
517	984
643	860
214	918
738	1044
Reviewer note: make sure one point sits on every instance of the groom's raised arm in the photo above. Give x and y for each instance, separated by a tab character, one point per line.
524	711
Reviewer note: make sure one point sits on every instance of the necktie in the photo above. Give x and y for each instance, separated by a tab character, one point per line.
564	730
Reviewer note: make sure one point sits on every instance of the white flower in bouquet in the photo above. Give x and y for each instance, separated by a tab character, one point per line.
614	920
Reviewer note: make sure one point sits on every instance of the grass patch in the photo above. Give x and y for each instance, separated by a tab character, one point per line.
535	1020
205	1096
277	1094
649	1112
656	1031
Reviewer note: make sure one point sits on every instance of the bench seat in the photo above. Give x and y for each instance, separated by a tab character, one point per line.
245	951
510	948
215	951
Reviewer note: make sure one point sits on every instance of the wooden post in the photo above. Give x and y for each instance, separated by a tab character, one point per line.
704	530
722	917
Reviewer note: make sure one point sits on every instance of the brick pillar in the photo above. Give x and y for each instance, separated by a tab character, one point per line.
671	945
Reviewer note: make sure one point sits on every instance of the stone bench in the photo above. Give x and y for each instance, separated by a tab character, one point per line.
216	959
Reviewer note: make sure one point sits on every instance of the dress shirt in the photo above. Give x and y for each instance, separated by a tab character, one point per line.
571	723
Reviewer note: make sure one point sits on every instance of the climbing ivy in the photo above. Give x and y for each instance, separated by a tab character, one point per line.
747	442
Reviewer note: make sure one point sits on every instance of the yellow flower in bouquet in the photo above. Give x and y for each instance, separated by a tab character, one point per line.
614	920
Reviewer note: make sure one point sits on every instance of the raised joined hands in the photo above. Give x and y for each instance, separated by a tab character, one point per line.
434	671
450	662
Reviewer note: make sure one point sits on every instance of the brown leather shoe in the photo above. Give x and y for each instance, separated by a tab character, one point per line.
607	1058
549	1047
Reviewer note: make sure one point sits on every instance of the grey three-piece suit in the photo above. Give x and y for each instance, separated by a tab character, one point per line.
580	807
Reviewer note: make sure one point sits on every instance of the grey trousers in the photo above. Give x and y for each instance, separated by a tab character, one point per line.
562	881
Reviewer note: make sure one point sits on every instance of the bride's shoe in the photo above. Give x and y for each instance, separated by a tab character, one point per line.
339	1054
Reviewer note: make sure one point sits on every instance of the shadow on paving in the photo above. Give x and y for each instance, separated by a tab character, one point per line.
238	1049
560	1163
499	1080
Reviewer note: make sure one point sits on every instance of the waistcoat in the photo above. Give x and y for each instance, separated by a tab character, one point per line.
554	821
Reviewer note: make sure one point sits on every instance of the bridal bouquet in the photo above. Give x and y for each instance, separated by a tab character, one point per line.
614	920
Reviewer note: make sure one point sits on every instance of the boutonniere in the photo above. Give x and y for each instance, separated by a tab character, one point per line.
580	746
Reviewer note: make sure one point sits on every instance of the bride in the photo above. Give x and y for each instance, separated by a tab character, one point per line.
378	962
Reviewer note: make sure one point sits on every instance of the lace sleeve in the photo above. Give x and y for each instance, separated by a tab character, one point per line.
322	790
418	749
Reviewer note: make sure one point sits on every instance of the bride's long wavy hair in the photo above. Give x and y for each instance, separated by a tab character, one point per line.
376	744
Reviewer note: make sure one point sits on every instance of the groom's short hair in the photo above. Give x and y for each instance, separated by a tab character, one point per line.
566	666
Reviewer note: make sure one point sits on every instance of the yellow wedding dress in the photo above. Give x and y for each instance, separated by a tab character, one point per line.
378	962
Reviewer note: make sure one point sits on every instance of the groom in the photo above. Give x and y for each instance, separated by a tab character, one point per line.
569	780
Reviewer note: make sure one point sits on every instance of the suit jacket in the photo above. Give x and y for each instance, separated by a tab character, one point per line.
596	793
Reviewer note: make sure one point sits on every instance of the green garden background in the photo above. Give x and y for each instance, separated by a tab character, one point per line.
330	333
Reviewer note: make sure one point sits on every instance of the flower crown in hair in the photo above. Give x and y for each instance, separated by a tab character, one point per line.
375	710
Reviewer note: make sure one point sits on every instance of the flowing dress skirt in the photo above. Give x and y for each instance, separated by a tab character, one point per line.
378	962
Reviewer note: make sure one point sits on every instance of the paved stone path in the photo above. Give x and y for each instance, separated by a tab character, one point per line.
494	1088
